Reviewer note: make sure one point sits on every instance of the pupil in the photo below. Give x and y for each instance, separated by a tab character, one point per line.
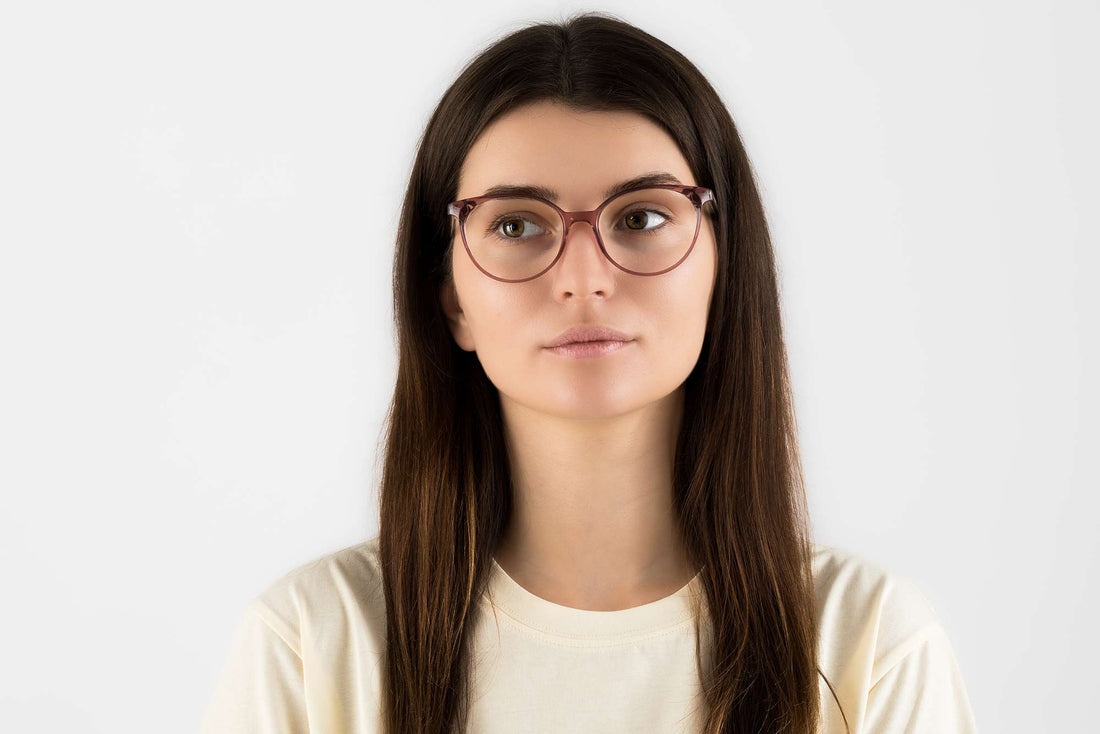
513	223
635	215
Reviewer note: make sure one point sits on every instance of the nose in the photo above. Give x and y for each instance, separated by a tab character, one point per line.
582	268
587	244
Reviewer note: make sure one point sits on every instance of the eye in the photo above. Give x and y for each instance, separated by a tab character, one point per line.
515	227
637	219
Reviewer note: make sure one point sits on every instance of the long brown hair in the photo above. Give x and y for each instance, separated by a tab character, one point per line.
446	490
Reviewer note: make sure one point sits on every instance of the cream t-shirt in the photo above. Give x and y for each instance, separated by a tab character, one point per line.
306	656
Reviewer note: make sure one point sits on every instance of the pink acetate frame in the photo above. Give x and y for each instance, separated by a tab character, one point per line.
699	195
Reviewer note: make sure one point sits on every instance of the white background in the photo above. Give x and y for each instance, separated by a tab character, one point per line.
197	212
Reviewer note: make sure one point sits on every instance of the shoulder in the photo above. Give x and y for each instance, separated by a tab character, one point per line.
869	614
883	645
319	622
341	587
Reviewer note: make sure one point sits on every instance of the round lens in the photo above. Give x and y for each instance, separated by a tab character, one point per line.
513	238
648	230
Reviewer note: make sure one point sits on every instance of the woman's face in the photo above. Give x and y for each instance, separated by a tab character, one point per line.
508	325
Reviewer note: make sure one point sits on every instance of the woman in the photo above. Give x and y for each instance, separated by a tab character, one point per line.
607	537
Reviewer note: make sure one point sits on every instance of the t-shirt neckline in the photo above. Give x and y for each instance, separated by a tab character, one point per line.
550	618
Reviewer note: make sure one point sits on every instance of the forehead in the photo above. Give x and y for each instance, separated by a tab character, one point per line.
579	154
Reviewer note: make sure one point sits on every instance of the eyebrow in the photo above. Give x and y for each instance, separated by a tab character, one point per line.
646	179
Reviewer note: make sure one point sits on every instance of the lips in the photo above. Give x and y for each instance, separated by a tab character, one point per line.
588	350
589	333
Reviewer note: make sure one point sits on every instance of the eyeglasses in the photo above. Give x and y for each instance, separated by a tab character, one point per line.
647	230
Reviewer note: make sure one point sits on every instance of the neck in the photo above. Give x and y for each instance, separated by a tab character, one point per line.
593	524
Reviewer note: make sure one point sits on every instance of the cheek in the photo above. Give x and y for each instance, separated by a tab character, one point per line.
506	347
684	293
680	308
490	307
501	320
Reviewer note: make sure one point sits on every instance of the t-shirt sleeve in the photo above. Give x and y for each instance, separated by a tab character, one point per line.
260	689
923	692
